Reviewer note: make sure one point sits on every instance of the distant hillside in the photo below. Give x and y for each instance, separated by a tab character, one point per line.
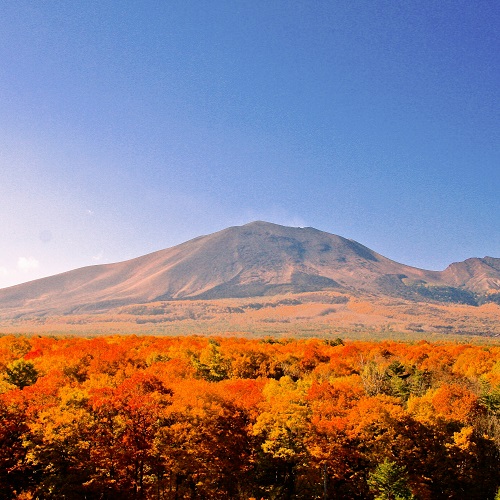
257	259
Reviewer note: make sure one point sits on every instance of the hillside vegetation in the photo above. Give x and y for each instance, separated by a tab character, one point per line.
305	314
192	417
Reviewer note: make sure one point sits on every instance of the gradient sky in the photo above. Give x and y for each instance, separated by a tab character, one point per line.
127	127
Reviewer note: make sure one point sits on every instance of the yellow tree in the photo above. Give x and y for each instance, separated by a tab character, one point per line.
282	425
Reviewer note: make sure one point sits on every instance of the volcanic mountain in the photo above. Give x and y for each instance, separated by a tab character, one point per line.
256	259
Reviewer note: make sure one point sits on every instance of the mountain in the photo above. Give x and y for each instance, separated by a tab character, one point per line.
476	275
256	259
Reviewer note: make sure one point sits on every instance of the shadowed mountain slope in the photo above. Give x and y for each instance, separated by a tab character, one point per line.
256	259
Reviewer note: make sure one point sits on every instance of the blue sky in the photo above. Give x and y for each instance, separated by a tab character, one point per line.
128	127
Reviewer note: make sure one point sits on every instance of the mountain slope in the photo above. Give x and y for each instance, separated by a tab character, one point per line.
251	260
476	275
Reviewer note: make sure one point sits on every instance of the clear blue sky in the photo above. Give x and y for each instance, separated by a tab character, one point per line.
128	127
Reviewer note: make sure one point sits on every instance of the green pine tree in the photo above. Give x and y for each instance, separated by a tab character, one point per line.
21	373
389	481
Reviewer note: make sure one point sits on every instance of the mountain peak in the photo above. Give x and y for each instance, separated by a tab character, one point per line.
260	224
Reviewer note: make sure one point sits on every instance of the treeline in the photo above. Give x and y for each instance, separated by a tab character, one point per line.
191	417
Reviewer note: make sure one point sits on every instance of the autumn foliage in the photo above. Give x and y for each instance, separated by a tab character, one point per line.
216	418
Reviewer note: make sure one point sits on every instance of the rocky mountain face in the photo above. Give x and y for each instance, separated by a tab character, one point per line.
256	259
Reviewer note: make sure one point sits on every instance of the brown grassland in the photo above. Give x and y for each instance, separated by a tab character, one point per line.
305	314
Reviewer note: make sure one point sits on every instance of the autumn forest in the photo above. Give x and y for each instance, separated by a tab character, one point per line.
193	417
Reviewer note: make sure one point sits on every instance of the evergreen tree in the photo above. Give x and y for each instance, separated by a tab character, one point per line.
21	373
389	481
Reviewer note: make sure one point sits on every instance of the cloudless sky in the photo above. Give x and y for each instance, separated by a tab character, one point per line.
127	127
